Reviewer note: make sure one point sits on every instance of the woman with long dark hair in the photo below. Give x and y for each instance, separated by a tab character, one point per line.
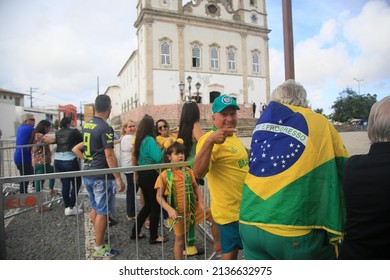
41	154
189	129
65	160
146	152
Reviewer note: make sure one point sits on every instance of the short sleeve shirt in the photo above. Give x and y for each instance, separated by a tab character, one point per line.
228	168
97	136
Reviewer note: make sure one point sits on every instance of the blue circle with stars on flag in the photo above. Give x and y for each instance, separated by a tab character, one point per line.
278	140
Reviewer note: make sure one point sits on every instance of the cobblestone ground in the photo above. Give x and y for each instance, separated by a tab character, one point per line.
52	235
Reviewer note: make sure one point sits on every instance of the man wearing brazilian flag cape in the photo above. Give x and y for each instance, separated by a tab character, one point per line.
292	203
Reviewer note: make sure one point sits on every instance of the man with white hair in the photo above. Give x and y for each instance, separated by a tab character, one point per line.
22	155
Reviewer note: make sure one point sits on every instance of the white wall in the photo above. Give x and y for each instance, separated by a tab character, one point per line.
9	119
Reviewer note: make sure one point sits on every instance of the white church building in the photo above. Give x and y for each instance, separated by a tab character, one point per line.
198	50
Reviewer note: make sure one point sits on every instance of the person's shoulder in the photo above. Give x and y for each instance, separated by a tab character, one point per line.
207	134
75	131
357	160
148	139
204	137
190	171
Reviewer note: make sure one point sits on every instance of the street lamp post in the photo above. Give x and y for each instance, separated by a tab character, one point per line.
357	80
189	80
81	113
197	86
189	97
181	87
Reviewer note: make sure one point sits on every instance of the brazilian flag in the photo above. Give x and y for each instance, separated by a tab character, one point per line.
296	169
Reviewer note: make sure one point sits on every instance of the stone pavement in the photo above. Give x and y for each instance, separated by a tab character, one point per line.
356	142
52	235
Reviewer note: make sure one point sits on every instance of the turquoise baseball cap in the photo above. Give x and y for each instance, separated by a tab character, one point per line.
222	102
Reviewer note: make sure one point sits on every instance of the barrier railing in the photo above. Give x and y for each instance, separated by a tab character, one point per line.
46	248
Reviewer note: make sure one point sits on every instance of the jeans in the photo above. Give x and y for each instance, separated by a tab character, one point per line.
69	192
24	169
101	193
43	169
130	195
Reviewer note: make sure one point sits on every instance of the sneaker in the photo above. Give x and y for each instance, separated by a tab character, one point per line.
105	252
68	211
73	211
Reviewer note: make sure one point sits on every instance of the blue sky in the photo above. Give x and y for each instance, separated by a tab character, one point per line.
60	47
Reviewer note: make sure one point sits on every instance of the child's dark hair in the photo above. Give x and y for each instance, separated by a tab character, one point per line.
174	147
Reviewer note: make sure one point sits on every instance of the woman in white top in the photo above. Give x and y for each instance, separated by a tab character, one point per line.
126	151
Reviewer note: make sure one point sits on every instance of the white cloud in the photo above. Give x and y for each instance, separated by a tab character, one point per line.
368	33
61	47
347	46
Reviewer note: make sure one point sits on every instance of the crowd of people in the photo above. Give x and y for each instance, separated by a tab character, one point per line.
295	194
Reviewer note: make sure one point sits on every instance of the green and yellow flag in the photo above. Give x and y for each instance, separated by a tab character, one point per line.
296	172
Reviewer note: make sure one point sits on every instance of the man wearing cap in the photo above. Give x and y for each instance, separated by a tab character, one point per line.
223	159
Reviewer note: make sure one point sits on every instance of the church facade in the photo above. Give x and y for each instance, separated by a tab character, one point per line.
197	50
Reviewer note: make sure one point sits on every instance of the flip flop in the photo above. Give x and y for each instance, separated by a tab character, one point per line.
140	236
158	241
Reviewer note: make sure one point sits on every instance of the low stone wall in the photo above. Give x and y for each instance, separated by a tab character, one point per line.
172	112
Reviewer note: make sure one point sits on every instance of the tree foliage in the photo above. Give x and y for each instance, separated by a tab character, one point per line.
319	111
350	105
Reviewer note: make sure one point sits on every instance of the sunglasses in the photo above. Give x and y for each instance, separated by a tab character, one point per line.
32	120
161	127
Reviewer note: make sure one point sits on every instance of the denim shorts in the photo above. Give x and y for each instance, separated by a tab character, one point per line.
230	237
99	195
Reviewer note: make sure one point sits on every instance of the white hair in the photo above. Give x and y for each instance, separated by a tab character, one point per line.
290	92
378	127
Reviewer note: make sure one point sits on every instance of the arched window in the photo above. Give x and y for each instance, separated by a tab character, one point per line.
165	54
231	60
196	56
214	62
255	63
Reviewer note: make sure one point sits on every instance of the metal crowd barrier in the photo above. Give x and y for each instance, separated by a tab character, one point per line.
7	193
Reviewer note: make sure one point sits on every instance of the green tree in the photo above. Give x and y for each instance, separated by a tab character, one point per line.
350	105
319	111
56	124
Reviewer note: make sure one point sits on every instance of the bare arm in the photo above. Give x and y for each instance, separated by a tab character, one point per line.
78	150
197	131
112	163
50	140
198	194
161	200
202	158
